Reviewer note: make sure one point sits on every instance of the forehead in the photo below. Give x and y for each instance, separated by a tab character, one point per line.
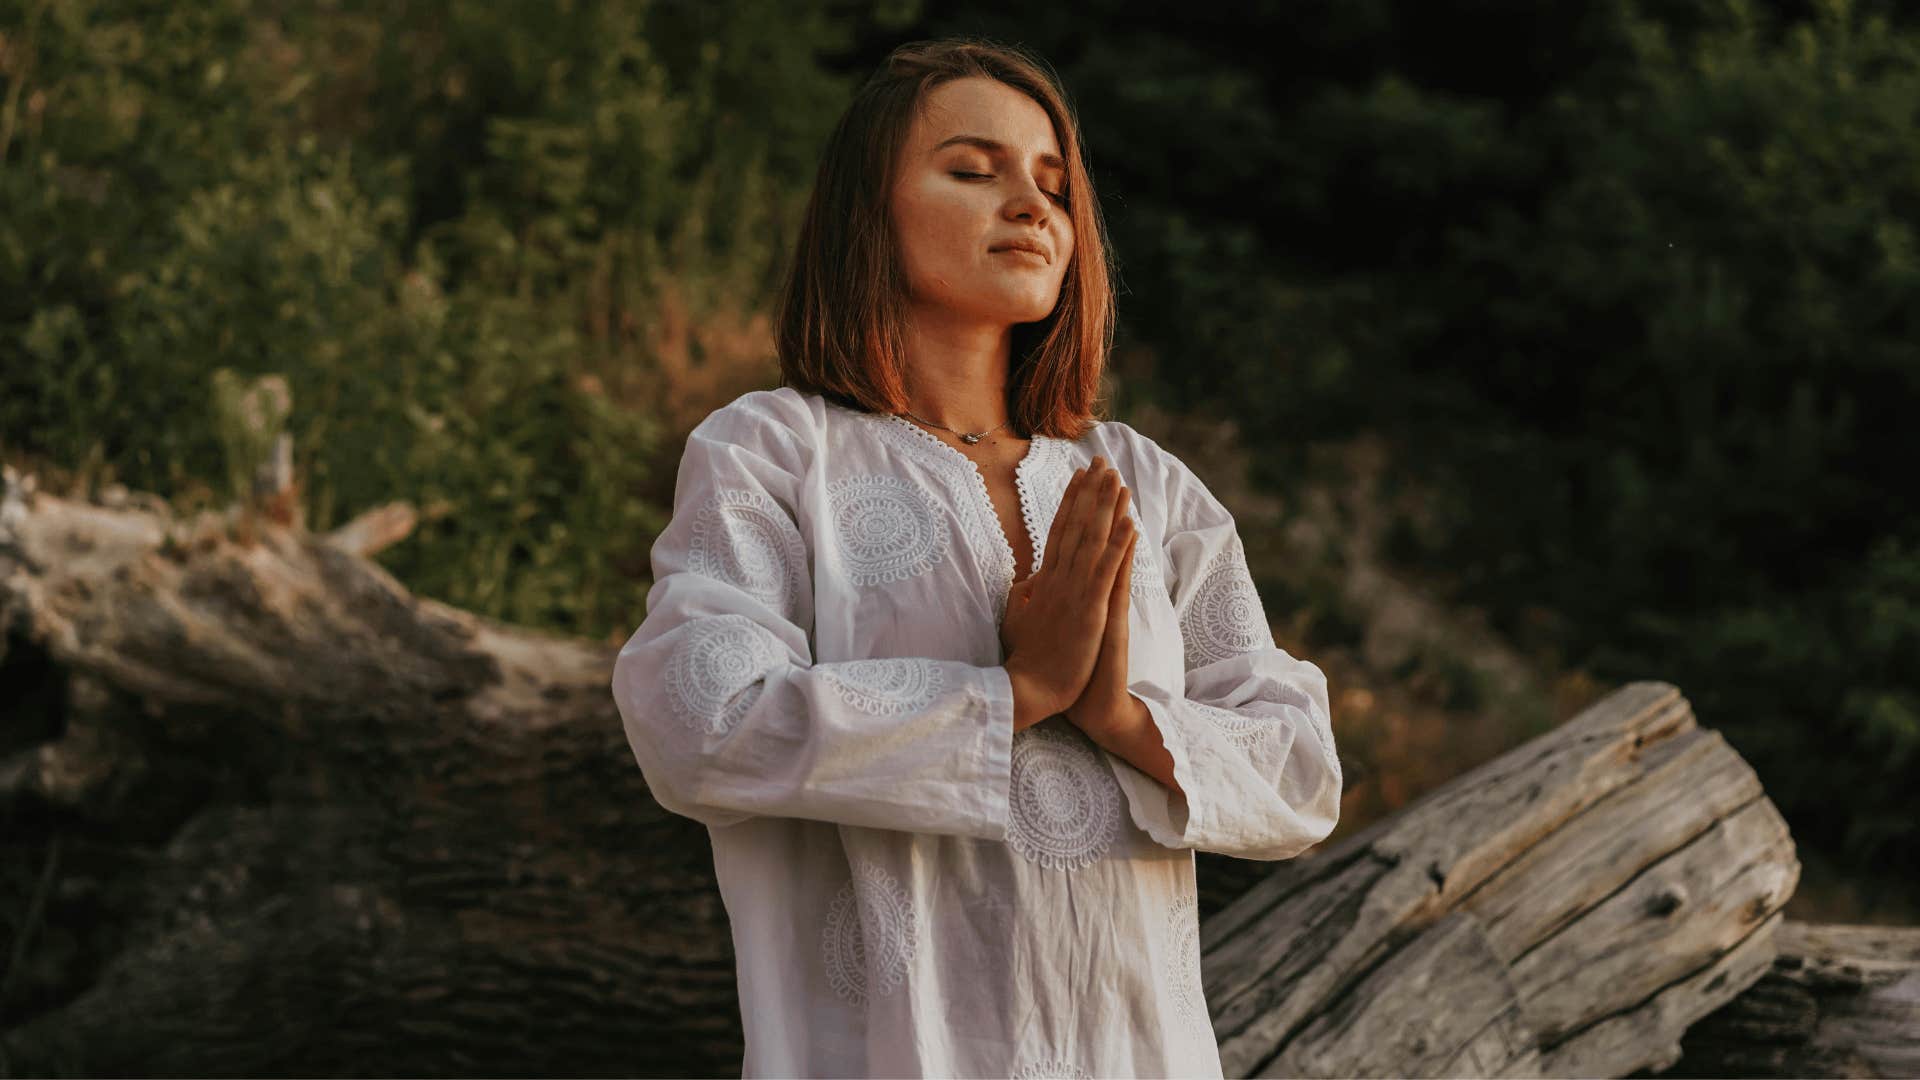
984	107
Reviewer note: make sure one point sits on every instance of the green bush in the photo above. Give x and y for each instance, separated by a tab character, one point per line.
1631	288
448	227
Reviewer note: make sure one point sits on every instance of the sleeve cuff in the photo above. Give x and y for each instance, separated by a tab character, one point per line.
994	757
1155	808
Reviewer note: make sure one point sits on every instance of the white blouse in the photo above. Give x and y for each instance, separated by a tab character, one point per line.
913	889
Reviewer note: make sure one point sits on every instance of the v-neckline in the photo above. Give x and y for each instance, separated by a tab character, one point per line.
1040	447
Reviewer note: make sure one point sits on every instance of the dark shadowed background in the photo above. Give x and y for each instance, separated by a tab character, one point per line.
1537	347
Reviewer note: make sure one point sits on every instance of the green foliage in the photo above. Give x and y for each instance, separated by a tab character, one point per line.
1691	367
1819	688
249	417
447	227
1631	287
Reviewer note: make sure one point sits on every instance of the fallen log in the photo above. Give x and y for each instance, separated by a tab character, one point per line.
299	821
276	815
1839	1001
1566	909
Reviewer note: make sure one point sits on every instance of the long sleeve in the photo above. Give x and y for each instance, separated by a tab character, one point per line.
728	715
1249	731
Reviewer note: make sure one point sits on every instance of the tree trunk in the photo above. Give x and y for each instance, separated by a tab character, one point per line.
268	814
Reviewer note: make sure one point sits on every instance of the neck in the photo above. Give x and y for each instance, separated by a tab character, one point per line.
958	371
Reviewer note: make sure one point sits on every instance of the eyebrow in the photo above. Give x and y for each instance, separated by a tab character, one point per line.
1053	161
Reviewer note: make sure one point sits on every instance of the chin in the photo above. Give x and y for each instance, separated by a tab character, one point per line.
1026	307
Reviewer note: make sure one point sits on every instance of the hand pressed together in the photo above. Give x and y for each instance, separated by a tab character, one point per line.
1063	653
1099	707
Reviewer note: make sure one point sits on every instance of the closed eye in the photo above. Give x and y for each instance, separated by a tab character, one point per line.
1062	199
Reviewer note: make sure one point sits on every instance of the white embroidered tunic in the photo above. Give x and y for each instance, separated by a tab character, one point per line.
913	889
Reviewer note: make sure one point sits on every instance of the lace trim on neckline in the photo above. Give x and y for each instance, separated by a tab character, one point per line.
1047	461
977	512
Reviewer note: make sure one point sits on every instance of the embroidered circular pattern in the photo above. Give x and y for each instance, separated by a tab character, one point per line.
1052	1069
1182	949
1065	809
886	687
712	674
967	493
744	538
888	529
1223	618
870	934
1247	732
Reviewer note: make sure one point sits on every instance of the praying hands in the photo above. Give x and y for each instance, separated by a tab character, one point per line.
1090	547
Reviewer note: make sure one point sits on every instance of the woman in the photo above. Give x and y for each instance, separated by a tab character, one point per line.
957	676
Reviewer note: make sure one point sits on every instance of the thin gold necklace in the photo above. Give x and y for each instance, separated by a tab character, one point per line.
969	439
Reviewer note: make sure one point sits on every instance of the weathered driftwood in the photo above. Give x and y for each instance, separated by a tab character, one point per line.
1566	909
291	819
1841	1001
277	815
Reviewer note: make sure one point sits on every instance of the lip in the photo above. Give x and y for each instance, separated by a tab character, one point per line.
1022	247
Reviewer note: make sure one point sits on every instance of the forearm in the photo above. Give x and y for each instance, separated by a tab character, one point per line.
1129	732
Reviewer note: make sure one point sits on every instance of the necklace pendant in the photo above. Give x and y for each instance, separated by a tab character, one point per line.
971	439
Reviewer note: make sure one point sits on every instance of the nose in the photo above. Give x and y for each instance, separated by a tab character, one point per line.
1029	203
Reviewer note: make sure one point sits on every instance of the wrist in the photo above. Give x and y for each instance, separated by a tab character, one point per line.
1030	701
1085	710
1100	715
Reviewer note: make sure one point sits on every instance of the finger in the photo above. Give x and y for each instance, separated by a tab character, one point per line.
1070	518
1057	531
1114	648
1094	529
1122	584
1122	525
1122	574
1113	551
1120	505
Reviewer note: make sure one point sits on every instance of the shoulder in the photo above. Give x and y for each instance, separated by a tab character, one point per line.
781	422
1125	445
1156	473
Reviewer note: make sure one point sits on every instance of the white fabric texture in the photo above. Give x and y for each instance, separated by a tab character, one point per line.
913	889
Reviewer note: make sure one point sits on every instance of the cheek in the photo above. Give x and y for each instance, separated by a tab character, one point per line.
936	236
933	221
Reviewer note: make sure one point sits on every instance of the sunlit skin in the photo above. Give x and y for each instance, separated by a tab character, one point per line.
952	202
981	167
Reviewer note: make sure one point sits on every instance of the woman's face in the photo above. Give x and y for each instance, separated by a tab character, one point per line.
980	170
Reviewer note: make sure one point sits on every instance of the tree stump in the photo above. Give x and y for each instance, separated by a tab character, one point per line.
268	813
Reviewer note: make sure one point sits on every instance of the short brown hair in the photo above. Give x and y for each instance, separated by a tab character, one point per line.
841	324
